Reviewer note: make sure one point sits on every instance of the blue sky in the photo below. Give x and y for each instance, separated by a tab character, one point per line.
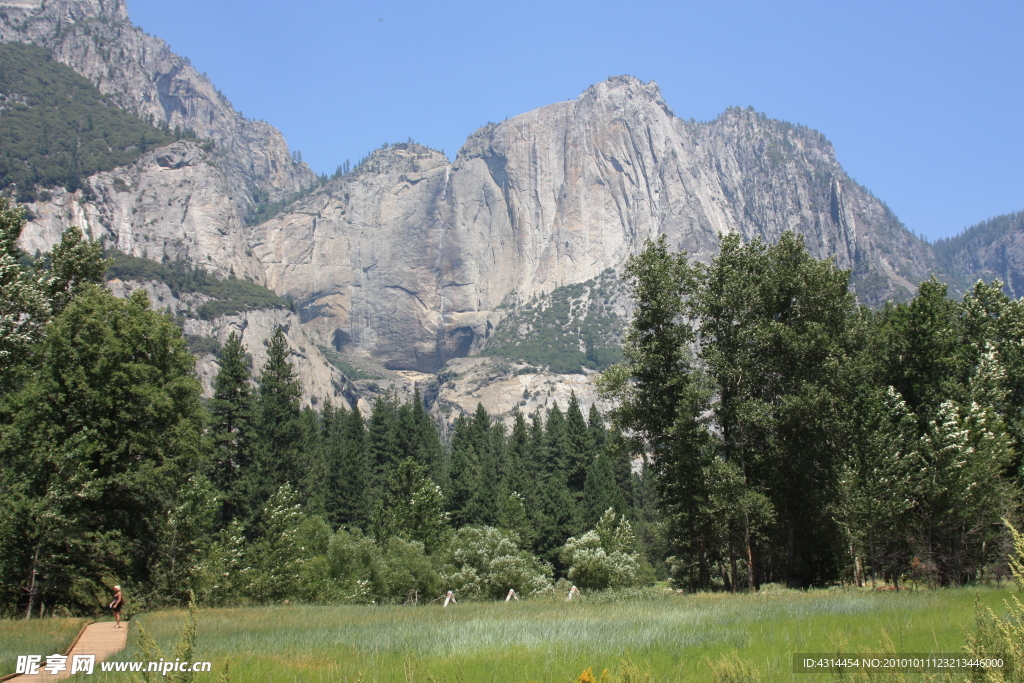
923	101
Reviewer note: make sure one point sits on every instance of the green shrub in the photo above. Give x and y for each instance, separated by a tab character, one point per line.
363	572
403	568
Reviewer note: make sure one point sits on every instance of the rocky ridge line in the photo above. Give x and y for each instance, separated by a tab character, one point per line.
408	260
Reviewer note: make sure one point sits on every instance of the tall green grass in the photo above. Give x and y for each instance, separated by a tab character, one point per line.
35	637
678	637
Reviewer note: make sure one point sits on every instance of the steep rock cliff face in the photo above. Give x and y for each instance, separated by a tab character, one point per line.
174	203
409	258
141	74
370	262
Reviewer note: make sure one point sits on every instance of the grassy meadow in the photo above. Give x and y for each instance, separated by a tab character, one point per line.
35	637
677	637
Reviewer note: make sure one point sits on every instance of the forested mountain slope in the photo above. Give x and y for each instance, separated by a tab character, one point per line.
989	250
141	74
190	201
57	128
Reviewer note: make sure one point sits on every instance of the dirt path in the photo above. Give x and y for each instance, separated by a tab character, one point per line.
100	639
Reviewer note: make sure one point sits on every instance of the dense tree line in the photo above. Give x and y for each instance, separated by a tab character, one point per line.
390	474
113	470
800	438
769	430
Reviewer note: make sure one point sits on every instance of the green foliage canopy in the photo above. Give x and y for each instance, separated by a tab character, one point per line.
103	435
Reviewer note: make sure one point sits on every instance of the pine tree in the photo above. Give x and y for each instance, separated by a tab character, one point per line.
483	508
347	503
619	452
384	442
463	474
512	517
601	492
312	462
595	425
558	451
425	447
519	475
558	518
231	411
277	430
581	451
535	465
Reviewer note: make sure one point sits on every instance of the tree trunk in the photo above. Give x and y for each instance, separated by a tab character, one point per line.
32	585
871	554
858	570
735	568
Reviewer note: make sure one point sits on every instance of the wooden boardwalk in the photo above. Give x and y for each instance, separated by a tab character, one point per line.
100	639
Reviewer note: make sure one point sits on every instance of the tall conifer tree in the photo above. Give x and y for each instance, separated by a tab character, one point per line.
384	442
276	428
581	452
556	443
486	445
463	474
595	425
348	474
231	410
519	477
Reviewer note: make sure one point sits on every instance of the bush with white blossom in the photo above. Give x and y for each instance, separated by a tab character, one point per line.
605	557
487	562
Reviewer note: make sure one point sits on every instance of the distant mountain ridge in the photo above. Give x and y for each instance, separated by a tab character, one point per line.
142	75
412	260
992	249
409	258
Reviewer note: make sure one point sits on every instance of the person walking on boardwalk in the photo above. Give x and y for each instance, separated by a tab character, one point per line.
116	605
